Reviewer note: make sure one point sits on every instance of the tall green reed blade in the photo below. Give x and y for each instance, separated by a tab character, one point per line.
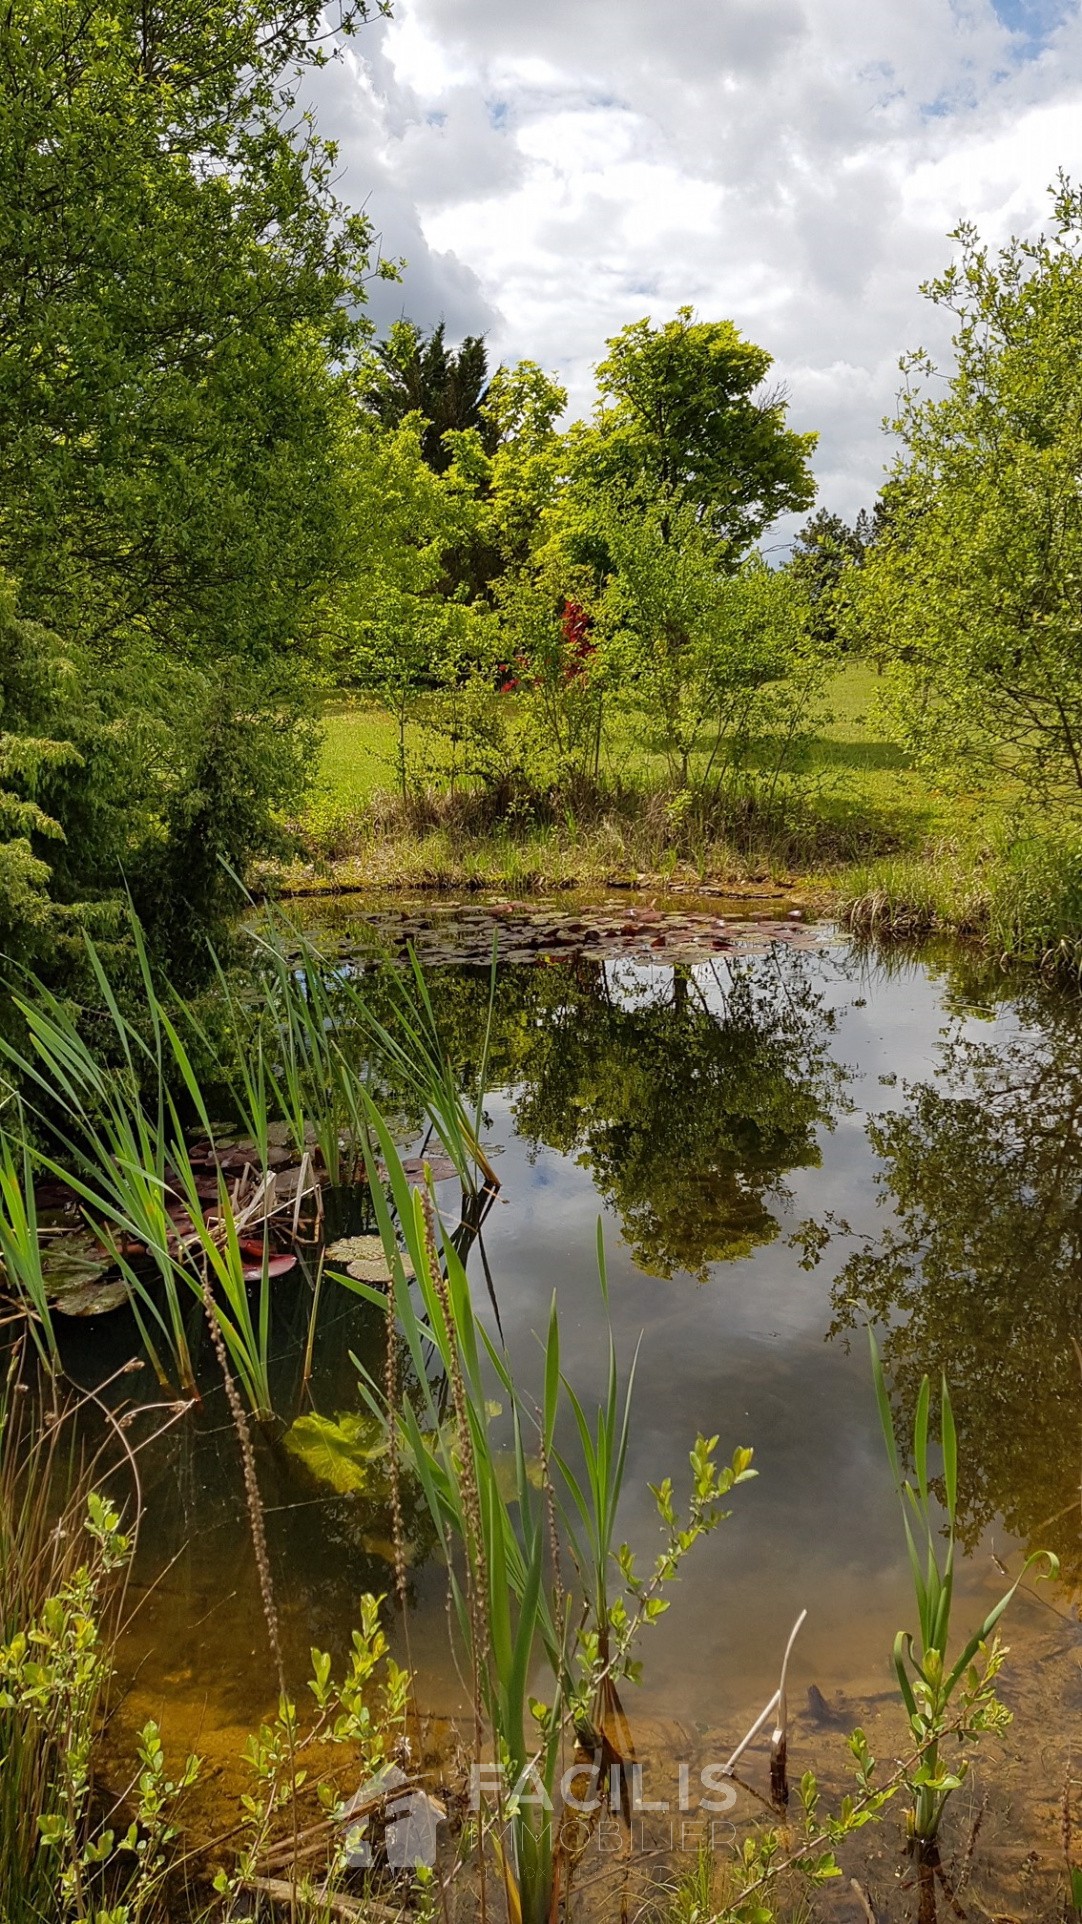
112	1151
942	1698
590	1517
20	1246
496	1551
486	1046
511	1606
315	1089
215	1250
121	1147
410	1047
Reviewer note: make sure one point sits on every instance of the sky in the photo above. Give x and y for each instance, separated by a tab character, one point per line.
554	169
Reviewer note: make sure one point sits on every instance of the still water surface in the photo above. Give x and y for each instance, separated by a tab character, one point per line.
780	1145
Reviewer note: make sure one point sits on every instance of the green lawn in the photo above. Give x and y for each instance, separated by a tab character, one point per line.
853	772
863	834
359	747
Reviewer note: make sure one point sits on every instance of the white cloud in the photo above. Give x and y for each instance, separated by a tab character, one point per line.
554	171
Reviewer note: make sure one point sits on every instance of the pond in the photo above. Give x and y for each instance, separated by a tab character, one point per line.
784	1137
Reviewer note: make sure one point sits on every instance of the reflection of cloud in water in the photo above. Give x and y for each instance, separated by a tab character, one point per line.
743	1356
740	1354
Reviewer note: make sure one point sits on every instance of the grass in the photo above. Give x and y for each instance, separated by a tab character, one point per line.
858	799
858	832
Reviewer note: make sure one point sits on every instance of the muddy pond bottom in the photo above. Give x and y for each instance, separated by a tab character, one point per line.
785	1139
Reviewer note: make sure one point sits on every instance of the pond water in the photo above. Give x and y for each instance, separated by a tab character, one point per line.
783	1139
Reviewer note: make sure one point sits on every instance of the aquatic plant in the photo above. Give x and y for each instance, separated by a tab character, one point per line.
497	1525
107	1121
332	1037
355	1731
943	1698
109	1142
63	1559
20	1245
120	1145
53	1672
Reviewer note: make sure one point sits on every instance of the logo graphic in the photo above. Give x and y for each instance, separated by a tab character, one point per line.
410	1822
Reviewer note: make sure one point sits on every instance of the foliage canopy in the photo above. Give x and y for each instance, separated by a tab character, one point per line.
973	588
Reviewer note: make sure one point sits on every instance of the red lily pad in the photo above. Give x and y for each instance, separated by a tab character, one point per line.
276	1266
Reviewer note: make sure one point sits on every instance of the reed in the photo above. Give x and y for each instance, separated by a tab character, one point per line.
313	1084
497	1584
943	1698
20	1245
107	1120
120	1144
589	1510
495	1525
337	1028
110	1142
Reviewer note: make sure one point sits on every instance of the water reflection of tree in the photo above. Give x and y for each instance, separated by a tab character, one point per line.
688	1102
981	1273
688	1093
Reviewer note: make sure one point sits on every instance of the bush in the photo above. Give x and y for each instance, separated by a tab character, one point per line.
146	779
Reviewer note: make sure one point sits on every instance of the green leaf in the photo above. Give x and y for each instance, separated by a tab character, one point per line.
338	1450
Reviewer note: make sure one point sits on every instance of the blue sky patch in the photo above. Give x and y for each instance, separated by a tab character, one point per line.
1032	20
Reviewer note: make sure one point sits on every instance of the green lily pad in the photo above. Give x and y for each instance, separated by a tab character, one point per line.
68	1262
337	1450
90	1298
364	1257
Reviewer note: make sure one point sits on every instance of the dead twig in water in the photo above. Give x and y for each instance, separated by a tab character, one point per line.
282	1891
864	1901
779	1738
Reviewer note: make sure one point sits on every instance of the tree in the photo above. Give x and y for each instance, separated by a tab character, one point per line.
708	657
448	387
682	410
400	634
179	292
974	588
824	548
34	678
508	465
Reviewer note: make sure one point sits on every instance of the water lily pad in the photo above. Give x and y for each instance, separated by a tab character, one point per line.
68	1262
337	1450
609	929
91	1298
364	1258
276	1266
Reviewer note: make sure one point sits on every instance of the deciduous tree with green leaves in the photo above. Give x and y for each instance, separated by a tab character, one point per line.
974	588
710	658
179	299
682	409
403	633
